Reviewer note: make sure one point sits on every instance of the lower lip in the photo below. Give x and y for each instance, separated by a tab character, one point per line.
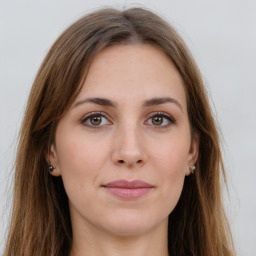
128	193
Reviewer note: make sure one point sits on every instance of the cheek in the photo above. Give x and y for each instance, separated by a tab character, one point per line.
80	162
172	155
170	162
79	154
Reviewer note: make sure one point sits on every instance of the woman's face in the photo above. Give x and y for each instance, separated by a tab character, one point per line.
124	147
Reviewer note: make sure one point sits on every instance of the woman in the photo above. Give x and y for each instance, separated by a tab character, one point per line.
118	152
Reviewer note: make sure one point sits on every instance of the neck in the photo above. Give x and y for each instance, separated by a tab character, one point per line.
97	243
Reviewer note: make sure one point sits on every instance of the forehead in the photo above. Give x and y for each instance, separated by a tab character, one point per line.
135	72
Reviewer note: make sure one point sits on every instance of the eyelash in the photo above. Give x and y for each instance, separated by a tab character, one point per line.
170	120
94	114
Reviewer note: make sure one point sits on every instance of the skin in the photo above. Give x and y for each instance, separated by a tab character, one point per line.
130	140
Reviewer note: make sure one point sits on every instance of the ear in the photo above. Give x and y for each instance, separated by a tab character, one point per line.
193	153
51	159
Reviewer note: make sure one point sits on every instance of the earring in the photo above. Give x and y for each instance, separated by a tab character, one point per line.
51	168
192	168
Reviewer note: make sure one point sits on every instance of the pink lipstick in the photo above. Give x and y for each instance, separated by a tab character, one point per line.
128	189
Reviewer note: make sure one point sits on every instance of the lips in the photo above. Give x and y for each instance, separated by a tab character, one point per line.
128	189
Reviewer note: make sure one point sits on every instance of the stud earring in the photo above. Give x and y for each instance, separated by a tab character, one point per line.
51	168
192	168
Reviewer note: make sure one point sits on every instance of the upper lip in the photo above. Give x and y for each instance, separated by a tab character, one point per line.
128	184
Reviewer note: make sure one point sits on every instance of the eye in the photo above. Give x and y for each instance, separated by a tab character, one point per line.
95	120
160	120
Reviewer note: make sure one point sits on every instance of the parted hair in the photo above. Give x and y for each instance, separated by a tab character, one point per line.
40	224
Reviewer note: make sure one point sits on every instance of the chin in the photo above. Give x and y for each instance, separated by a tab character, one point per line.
133	223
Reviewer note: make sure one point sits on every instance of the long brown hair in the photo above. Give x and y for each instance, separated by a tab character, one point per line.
40	223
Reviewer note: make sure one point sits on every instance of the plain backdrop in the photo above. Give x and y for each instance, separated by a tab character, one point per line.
222	37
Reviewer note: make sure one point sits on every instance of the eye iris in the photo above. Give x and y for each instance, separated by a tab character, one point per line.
157	120
95	120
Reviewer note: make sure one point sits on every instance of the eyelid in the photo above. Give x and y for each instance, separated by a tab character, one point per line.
170	119
91	114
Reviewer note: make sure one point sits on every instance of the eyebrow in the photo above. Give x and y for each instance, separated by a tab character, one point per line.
98	101
147	103
162	100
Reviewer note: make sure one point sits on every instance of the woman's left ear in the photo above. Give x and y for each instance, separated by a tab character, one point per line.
52	160
193	155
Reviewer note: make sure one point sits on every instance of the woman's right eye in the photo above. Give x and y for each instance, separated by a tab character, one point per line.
95	120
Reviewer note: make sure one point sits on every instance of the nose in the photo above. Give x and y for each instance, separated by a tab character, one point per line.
129	148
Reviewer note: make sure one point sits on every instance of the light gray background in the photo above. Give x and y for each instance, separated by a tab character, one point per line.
222	37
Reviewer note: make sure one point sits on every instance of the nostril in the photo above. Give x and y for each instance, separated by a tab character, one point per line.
139	162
